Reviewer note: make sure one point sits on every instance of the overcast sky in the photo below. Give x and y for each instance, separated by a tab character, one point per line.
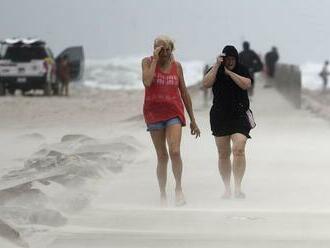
108	28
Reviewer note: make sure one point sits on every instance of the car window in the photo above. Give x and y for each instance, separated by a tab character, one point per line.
2	50
49	52
25	53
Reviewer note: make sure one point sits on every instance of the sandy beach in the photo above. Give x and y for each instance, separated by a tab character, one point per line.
80	172
41	138
317	102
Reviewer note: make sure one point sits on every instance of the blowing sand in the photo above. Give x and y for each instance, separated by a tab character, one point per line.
318	102
80	172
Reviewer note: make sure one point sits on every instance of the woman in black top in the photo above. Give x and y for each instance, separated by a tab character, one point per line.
229	123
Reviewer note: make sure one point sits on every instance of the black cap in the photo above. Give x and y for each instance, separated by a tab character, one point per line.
230	51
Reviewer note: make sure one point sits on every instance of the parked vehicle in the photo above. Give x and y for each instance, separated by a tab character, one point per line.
28	64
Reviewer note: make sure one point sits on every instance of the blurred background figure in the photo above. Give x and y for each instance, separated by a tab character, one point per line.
271	59
64	74
251	60
324	73
205	90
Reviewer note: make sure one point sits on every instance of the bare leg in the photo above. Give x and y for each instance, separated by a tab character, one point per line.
224	164
239	163
62	89
173	137
205	91
66	88
159	141
325	82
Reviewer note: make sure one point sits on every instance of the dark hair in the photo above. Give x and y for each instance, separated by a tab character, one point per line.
230	51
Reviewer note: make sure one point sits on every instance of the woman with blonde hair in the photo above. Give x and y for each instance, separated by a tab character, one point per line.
166	95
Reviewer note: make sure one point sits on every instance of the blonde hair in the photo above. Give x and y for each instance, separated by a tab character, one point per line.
169	41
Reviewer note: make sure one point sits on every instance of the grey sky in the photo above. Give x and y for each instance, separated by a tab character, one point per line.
108	28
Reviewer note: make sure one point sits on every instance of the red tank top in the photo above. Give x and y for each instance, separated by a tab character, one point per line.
162	99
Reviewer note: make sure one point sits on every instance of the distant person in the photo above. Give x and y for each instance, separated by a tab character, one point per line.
165	97
251	61
205	90
271	59
230	125
324	75
64	74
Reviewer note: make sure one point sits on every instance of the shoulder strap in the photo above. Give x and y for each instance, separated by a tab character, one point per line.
174	68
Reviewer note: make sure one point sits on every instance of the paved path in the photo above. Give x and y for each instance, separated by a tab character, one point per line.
287	186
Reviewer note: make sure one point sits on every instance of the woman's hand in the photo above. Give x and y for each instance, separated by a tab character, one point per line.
194	130
227	71
157	52
219	60
242	82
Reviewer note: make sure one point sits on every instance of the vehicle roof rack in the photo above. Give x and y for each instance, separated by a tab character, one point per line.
22	42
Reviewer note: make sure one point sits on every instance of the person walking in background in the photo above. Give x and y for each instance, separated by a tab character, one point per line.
230	126
165	97
251	61
324	73
64	74
205	90
271	59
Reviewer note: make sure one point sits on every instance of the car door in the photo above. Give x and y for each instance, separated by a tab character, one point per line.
76	59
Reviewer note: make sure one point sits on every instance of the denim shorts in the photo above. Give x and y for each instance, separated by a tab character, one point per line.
163	124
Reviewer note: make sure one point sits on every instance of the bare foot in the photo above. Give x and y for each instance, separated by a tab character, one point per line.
163	200
226	195
179	199
239	195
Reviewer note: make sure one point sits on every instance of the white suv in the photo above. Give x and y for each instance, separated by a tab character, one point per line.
28	64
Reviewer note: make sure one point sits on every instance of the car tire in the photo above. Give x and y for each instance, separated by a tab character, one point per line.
11	91
2	89
56	89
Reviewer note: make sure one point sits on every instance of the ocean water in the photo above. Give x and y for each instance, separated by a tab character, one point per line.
310	75
125	73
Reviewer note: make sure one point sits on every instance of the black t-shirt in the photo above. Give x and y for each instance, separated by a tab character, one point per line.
229	100
251	60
